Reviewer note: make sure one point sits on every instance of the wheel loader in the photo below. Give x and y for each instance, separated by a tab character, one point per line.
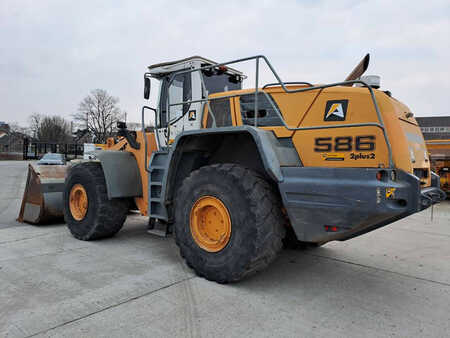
439	152
233	172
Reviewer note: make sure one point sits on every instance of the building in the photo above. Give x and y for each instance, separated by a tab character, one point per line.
435	127
4	137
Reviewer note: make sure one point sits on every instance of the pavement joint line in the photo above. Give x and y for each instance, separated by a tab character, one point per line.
380	269
44	254
111	306
28	238
424	232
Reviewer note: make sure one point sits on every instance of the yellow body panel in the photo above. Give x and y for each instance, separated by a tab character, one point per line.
308	109
139	154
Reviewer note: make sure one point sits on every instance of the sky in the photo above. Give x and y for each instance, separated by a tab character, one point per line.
53	53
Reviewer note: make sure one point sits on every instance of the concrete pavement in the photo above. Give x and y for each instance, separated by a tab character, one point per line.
392	282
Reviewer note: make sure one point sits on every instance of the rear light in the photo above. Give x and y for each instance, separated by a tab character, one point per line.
379	175
383	175
331	228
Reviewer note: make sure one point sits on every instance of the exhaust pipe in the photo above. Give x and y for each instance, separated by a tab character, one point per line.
42	200
358	70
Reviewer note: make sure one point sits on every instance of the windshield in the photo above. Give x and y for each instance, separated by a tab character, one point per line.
51	157
221	83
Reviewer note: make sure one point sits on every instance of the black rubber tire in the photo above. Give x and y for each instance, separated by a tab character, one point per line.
104	217
258	225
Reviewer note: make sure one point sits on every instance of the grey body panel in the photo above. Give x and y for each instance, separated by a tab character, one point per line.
435	179
121	173
351	199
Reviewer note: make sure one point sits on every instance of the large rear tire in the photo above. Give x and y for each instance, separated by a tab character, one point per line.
88	212
228	222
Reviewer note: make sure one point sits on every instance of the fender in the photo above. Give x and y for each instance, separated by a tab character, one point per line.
265	141
121	173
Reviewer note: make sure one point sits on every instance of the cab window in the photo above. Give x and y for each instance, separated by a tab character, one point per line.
267	116
179	91
217	82
222	113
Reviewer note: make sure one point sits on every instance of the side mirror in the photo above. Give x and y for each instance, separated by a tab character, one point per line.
147	85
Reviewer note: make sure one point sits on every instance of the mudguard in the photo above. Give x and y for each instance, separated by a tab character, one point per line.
121	173
272	154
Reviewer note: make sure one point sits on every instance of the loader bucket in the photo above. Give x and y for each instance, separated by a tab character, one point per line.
43	196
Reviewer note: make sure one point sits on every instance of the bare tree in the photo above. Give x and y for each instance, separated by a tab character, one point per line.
16	128
34	122
54	129
15	135
98	113
47	128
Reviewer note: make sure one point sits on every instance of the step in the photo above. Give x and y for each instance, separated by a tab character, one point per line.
157	167
157	228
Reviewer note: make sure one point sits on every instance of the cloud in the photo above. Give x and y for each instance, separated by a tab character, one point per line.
54	52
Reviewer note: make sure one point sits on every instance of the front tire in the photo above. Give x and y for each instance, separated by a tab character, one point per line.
228	222
88	212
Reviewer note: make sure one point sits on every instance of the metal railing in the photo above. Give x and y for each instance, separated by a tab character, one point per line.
257	58
144	135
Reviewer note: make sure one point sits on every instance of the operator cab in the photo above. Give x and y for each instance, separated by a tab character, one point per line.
188	90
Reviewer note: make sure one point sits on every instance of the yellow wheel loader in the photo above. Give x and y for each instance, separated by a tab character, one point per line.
439	151
232	172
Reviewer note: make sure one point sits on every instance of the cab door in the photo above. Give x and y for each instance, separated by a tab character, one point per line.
174	115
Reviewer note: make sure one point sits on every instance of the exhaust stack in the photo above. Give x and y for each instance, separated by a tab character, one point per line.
359	69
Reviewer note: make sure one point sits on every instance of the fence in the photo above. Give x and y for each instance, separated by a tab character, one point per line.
34	150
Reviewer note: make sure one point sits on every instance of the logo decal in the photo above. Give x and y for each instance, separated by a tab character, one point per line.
333	156
390	193
336	110
192	115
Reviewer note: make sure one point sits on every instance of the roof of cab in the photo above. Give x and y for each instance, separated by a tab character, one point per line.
168	67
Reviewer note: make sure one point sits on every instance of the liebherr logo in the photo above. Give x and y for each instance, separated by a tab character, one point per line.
335	110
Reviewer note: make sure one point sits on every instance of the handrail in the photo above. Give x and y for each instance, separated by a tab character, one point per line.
285	89
145	136
287	83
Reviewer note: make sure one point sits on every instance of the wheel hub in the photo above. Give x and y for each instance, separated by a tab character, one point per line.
78	202
210	224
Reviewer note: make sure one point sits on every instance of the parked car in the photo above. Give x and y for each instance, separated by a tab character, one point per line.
50	158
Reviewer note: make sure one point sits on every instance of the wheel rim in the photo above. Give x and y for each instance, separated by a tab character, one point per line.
210	224
78	202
